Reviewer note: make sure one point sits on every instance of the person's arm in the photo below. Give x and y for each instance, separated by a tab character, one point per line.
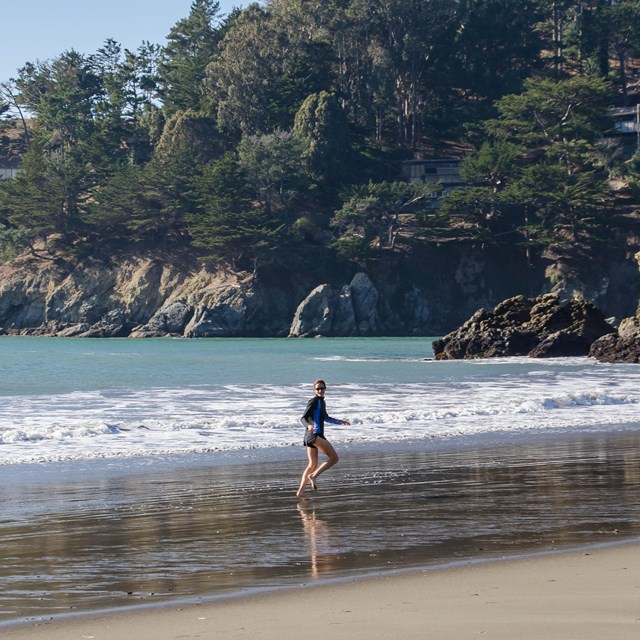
331	420
307	419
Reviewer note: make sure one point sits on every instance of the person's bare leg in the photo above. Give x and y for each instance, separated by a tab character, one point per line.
327	448
312	455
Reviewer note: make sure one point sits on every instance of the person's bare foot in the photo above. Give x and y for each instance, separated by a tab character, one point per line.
312	481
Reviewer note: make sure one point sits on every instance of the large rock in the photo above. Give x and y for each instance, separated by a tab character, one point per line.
365	304
537	327
351	312
623	346
224	317
344	317
314	315
169	320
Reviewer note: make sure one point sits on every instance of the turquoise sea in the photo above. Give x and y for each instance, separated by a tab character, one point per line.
138	472
80	399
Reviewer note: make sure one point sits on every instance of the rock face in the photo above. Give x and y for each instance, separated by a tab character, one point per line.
351	312
144	297
137	297
623	346
537	327
419	293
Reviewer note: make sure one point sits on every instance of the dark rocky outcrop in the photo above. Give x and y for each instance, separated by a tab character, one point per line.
623	346
536	327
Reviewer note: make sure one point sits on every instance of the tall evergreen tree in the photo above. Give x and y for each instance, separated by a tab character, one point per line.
554	192
622	24
267	67
273	169
496	46
410	39
321	125
192	45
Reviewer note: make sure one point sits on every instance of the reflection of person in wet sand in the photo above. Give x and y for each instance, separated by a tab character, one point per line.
316	532
314	417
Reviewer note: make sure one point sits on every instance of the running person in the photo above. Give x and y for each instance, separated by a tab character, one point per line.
314	417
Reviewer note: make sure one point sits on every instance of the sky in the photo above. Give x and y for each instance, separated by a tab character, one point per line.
42	29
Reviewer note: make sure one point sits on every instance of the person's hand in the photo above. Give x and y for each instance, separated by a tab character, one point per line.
345	422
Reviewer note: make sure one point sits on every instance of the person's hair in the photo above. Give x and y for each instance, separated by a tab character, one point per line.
317	382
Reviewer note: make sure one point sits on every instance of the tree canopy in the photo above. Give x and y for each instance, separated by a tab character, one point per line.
284	124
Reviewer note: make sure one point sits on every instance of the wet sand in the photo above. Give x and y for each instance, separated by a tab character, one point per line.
97	536
586	595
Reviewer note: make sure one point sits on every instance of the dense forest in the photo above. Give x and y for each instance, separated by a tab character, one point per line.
275	134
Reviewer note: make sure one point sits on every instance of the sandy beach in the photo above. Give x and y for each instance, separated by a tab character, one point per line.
592	593
177	549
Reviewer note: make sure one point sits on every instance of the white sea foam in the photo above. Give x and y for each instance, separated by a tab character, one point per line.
158	421
253	399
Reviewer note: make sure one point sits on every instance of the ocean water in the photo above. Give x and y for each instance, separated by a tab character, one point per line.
142	472
66	399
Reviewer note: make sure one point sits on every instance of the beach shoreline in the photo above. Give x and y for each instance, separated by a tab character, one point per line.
587	593
163	535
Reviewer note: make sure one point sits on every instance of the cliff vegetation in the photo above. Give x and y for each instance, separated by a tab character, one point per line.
258	155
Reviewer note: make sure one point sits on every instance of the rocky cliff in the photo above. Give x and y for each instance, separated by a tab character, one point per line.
418	293
136	296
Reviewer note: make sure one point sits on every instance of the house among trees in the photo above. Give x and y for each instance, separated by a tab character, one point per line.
9	167
626	125
441	172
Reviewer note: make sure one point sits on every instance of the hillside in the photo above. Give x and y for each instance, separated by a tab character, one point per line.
264	149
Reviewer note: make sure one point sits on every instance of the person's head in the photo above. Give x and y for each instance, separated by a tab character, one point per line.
319	387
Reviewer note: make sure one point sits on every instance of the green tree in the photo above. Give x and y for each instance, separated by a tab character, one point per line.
62	94
631	174
13	241
622	24
549	112
147	203
272	166
125	110
268	64
48	196
69	151
239	80
481	205
190	132
371	216
411	39
225	224
322	128
558	209
192	45
492	165
496	46
547	189
228	225
13	115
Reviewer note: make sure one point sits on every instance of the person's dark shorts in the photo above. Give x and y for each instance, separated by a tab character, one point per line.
310	439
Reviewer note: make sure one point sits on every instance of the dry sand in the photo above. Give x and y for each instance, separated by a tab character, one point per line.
589	594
